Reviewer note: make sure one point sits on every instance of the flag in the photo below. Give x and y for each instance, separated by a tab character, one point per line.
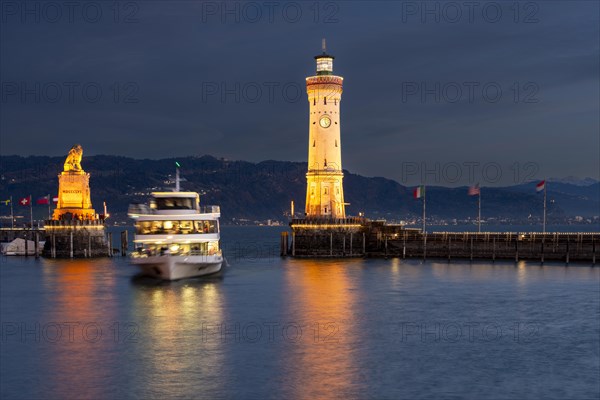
55	199
540	186
25	201
43	200
6	202
419	192
474	190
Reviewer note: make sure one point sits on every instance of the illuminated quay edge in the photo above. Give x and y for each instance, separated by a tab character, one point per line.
70	227
326	226
75	229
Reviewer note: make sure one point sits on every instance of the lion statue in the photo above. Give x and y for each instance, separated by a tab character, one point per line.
73	161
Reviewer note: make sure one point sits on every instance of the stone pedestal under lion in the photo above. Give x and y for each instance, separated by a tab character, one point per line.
74	201
75	230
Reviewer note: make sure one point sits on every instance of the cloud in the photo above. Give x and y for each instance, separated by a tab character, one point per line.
154	75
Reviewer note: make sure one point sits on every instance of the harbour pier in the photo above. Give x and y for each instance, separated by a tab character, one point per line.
360	237
9	234
325	237
76	239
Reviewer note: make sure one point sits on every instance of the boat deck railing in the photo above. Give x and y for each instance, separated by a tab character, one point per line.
210	210
152	253
143	209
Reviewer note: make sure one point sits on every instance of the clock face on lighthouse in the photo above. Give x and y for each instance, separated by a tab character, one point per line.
325	121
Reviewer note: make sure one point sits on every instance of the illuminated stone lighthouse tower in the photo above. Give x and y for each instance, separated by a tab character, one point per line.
324	190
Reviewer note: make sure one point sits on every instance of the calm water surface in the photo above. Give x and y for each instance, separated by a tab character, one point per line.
299	329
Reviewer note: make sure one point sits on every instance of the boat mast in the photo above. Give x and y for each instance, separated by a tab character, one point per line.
177	176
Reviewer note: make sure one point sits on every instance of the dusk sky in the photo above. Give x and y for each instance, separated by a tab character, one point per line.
514	85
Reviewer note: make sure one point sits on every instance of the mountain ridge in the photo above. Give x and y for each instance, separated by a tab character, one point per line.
263	190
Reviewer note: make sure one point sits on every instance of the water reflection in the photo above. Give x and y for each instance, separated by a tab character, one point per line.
482	271
174	359
366	357
322	299
78	325
522	269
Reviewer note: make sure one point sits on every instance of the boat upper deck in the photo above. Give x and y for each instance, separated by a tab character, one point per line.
174	205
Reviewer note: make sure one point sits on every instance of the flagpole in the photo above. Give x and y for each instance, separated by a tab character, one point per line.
31	210
544	223
479	212
424	197
12	215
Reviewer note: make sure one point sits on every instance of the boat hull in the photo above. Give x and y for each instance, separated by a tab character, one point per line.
173	268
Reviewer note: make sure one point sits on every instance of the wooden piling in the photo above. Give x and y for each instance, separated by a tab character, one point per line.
351	244
124	243
71	244
37	244
364	245
110	253
386	247
471	256
283	244
53	251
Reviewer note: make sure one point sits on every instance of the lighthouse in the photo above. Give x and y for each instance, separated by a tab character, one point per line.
325	231
324	189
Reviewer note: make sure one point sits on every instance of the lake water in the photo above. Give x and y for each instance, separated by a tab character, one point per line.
299	329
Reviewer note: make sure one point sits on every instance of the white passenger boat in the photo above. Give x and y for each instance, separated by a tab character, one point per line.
175	237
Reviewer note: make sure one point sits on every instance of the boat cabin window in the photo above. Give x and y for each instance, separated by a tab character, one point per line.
205	226
175	227
174	203
193	249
